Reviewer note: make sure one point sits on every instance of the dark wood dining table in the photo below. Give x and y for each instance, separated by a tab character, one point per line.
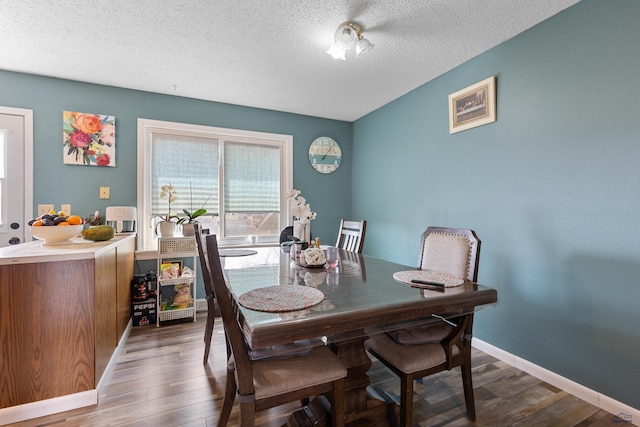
361	295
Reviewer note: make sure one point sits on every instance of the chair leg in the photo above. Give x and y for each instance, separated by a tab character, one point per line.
229	397
467	385
208	333
337	404
247	414
406	400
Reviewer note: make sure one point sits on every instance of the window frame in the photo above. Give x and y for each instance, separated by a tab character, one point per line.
4	137
146	127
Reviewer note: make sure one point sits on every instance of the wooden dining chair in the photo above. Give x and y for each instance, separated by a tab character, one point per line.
208	289
269	382
414	352
351	235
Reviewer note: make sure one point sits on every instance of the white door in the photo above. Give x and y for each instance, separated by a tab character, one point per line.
16	180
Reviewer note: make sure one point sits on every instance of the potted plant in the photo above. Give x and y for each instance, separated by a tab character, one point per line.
302	215
189	221
166	226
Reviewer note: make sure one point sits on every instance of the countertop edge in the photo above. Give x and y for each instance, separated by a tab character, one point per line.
31	252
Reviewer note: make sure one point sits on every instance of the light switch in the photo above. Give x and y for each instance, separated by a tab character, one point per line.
104	192
44	209
66	209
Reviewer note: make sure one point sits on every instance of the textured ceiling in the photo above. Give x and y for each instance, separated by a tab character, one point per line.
261	53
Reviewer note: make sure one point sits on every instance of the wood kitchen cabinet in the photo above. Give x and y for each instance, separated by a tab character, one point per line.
63	310
112	301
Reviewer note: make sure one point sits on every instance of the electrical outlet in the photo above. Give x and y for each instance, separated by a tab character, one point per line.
44	209
104	192
66	209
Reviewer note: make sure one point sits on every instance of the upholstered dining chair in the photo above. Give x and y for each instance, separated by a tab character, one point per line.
268	382
351	235
414	352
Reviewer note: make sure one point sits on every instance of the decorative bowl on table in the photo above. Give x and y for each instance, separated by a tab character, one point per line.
313	257
56	235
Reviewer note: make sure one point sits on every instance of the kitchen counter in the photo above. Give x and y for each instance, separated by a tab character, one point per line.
79	249
64	311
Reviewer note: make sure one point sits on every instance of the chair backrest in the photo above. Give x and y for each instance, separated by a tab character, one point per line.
229	313
351	235
204	263
454	251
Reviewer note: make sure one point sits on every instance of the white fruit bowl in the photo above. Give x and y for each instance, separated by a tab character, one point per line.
56	235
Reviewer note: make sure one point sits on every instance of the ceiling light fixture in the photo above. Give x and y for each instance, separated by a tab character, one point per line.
347	37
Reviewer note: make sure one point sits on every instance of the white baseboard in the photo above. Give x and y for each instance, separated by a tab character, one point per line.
625	412
41	408
107	371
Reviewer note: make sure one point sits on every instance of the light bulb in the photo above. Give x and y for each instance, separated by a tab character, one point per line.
336	52
345	37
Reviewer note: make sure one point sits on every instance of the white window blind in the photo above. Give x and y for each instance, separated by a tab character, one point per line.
251	178
190	164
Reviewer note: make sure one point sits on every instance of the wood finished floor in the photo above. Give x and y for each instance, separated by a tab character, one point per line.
159	380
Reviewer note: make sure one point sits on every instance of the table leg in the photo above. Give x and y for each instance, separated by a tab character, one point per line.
361	409
358	404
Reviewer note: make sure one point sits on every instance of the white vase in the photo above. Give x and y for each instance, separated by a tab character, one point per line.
301	231
165	228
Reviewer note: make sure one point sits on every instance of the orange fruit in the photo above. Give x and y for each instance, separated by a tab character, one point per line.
38	223
63	223
74	220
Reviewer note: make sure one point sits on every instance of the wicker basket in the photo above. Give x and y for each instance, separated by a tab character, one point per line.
177	314
177	245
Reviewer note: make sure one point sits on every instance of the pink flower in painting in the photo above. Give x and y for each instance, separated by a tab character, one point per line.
108	134
103	160
79	139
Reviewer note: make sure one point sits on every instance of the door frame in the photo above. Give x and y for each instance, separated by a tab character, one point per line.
27	116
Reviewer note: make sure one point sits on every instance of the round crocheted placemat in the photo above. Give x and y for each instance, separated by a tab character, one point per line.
406	277
277	299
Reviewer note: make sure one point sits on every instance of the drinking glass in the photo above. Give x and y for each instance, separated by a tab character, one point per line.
333	256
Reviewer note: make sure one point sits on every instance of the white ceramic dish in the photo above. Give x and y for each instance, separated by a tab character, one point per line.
311	265
56	235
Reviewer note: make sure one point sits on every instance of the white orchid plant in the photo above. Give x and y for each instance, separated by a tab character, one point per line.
168	192
300	209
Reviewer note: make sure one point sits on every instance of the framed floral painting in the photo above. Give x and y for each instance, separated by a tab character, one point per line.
89	139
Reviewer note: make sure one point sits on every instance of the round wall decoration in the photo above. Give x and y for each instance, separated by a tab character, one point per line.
325	155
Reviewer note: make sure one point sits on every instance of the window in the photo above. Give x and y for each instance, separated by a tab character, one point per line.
240	177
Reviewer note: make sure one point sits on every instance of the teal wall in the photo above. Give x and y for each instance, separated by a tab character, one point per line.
57	183
552	189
